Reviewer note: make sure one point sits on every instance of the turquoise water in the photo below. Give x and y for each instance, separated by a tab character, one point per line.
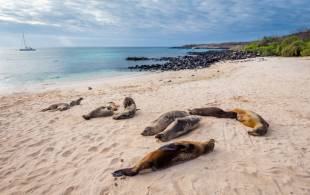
19	68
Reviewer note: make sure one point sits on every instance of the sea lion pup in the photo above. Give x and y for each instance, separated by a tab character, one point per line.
212	111
76	102
253	120
162	122
130	109
103	111
55	107
179	127
168	155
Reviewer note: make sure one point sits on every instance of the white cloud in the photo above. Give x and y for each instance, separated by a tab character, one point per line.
144	18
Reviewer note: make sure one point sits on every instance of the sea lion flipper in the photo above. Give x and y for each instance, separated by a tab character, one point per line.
124	172
44	110
258	131
254	133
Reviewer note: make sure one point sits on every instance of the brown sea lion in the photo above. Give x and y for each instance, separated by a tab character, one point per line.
253	120
103	111
179	127
130	109
212	111
162	122
168	155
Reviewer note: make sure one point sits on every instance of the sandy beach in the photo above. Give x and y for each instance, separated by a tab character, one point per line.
61	153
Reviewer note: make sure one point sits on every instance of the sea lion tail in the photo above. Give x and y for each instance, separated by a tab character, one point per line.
86	117
125	172
44	110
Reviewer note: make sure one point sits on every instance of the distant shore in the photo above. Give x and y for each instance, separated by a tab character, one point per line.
225	45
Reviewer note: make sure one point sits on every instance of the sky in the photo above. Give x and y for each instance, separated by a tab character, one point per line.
77	23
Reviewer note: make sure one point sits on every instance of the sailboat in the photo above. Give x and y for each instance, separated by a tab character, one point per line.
26	48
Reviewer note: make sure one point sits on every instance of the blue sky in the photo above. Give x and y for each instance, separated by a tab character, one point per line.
53	23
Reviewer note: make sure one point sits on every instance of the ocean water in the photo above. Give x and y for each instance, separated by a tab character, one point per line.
21	69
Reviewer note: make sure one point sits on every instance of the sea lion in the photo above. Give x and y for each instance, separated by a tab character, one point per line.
212	111
253	120
103	111
130	109
55	107
75	102
179	127
62	106
168	155
162	122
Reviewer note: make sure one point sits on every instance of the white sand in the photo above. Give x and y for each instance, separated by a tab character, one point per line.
61	153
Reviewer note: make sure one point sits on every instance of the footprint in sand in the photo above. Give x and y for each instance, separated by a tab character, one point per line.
108	148
35	153
49	149
105	191
92	149
69	190
39	143
104	150
114	160
41	162
51	121
67	153
23	141
100	138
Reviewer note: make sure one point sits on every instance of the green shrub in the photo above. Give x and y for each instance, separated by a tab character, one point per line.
293	49
251	47
267	41
305	52
275	46
306	49
269	50
288	40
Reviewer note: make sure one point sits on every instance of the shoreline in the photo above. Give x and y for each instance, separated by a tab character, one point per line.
39	87
61	153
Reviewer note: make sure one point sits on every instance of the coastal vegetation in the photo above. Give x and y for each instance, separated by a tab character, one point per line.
297	44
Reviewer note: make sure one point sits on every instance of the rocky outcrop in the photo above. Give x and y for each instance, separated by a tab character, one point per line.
194	60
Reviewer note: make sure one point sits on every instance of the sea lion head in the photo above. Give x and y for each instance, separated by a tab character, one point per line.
128	101
162	137
86	117
148	131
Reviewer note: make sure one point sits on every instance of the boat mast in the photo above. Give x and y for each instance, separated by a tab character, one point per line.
24	40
